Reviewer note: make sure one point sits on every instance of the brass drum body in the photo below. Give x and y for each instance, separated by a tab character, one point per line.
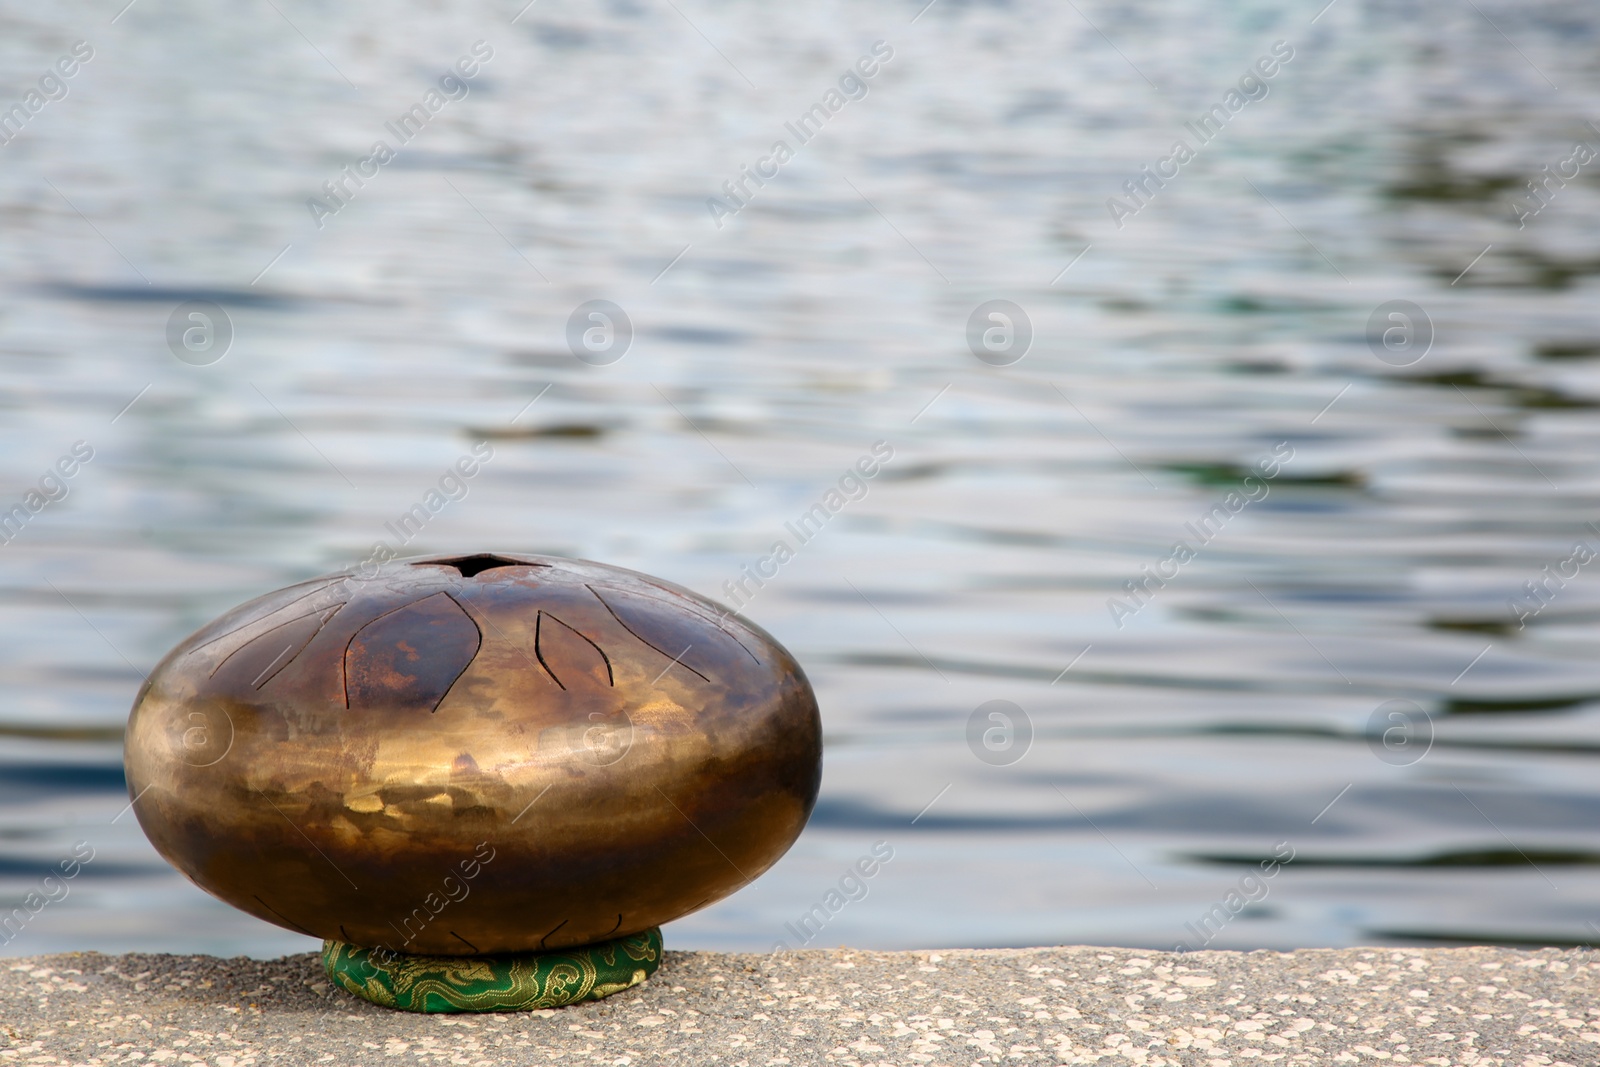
475	755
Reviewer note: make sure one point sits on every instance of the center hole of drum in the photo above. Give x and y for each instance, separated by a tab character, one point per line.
472	566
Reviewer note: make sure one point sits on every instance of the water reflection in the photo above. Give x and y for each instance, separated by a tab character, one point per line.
1171	746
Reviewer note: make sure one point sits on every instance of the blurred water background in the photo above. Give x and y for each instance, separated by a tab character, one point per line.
1243	710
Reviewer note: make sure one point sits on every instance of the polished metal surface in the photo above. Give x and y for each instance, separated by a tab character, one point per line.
477	754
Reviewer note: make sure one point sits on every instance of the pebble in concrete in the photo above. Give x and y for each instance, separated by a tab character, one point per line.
1474	1007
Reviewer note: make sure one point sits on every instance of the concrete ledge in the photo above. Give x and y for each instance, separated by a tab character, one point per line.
1468	1006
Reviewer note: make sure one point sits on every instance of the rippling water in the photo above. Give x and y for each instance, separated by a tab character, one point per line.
1238	710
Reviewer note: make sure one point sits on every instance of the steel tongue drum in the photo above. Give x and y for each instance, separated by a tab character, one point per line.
512	758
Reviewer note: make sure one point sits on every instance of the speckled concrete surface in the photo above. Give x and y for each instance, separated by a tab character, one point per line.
1470	1006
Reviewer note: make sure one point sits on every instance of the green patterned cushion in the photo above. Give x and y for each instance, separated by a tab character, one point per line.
494	983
